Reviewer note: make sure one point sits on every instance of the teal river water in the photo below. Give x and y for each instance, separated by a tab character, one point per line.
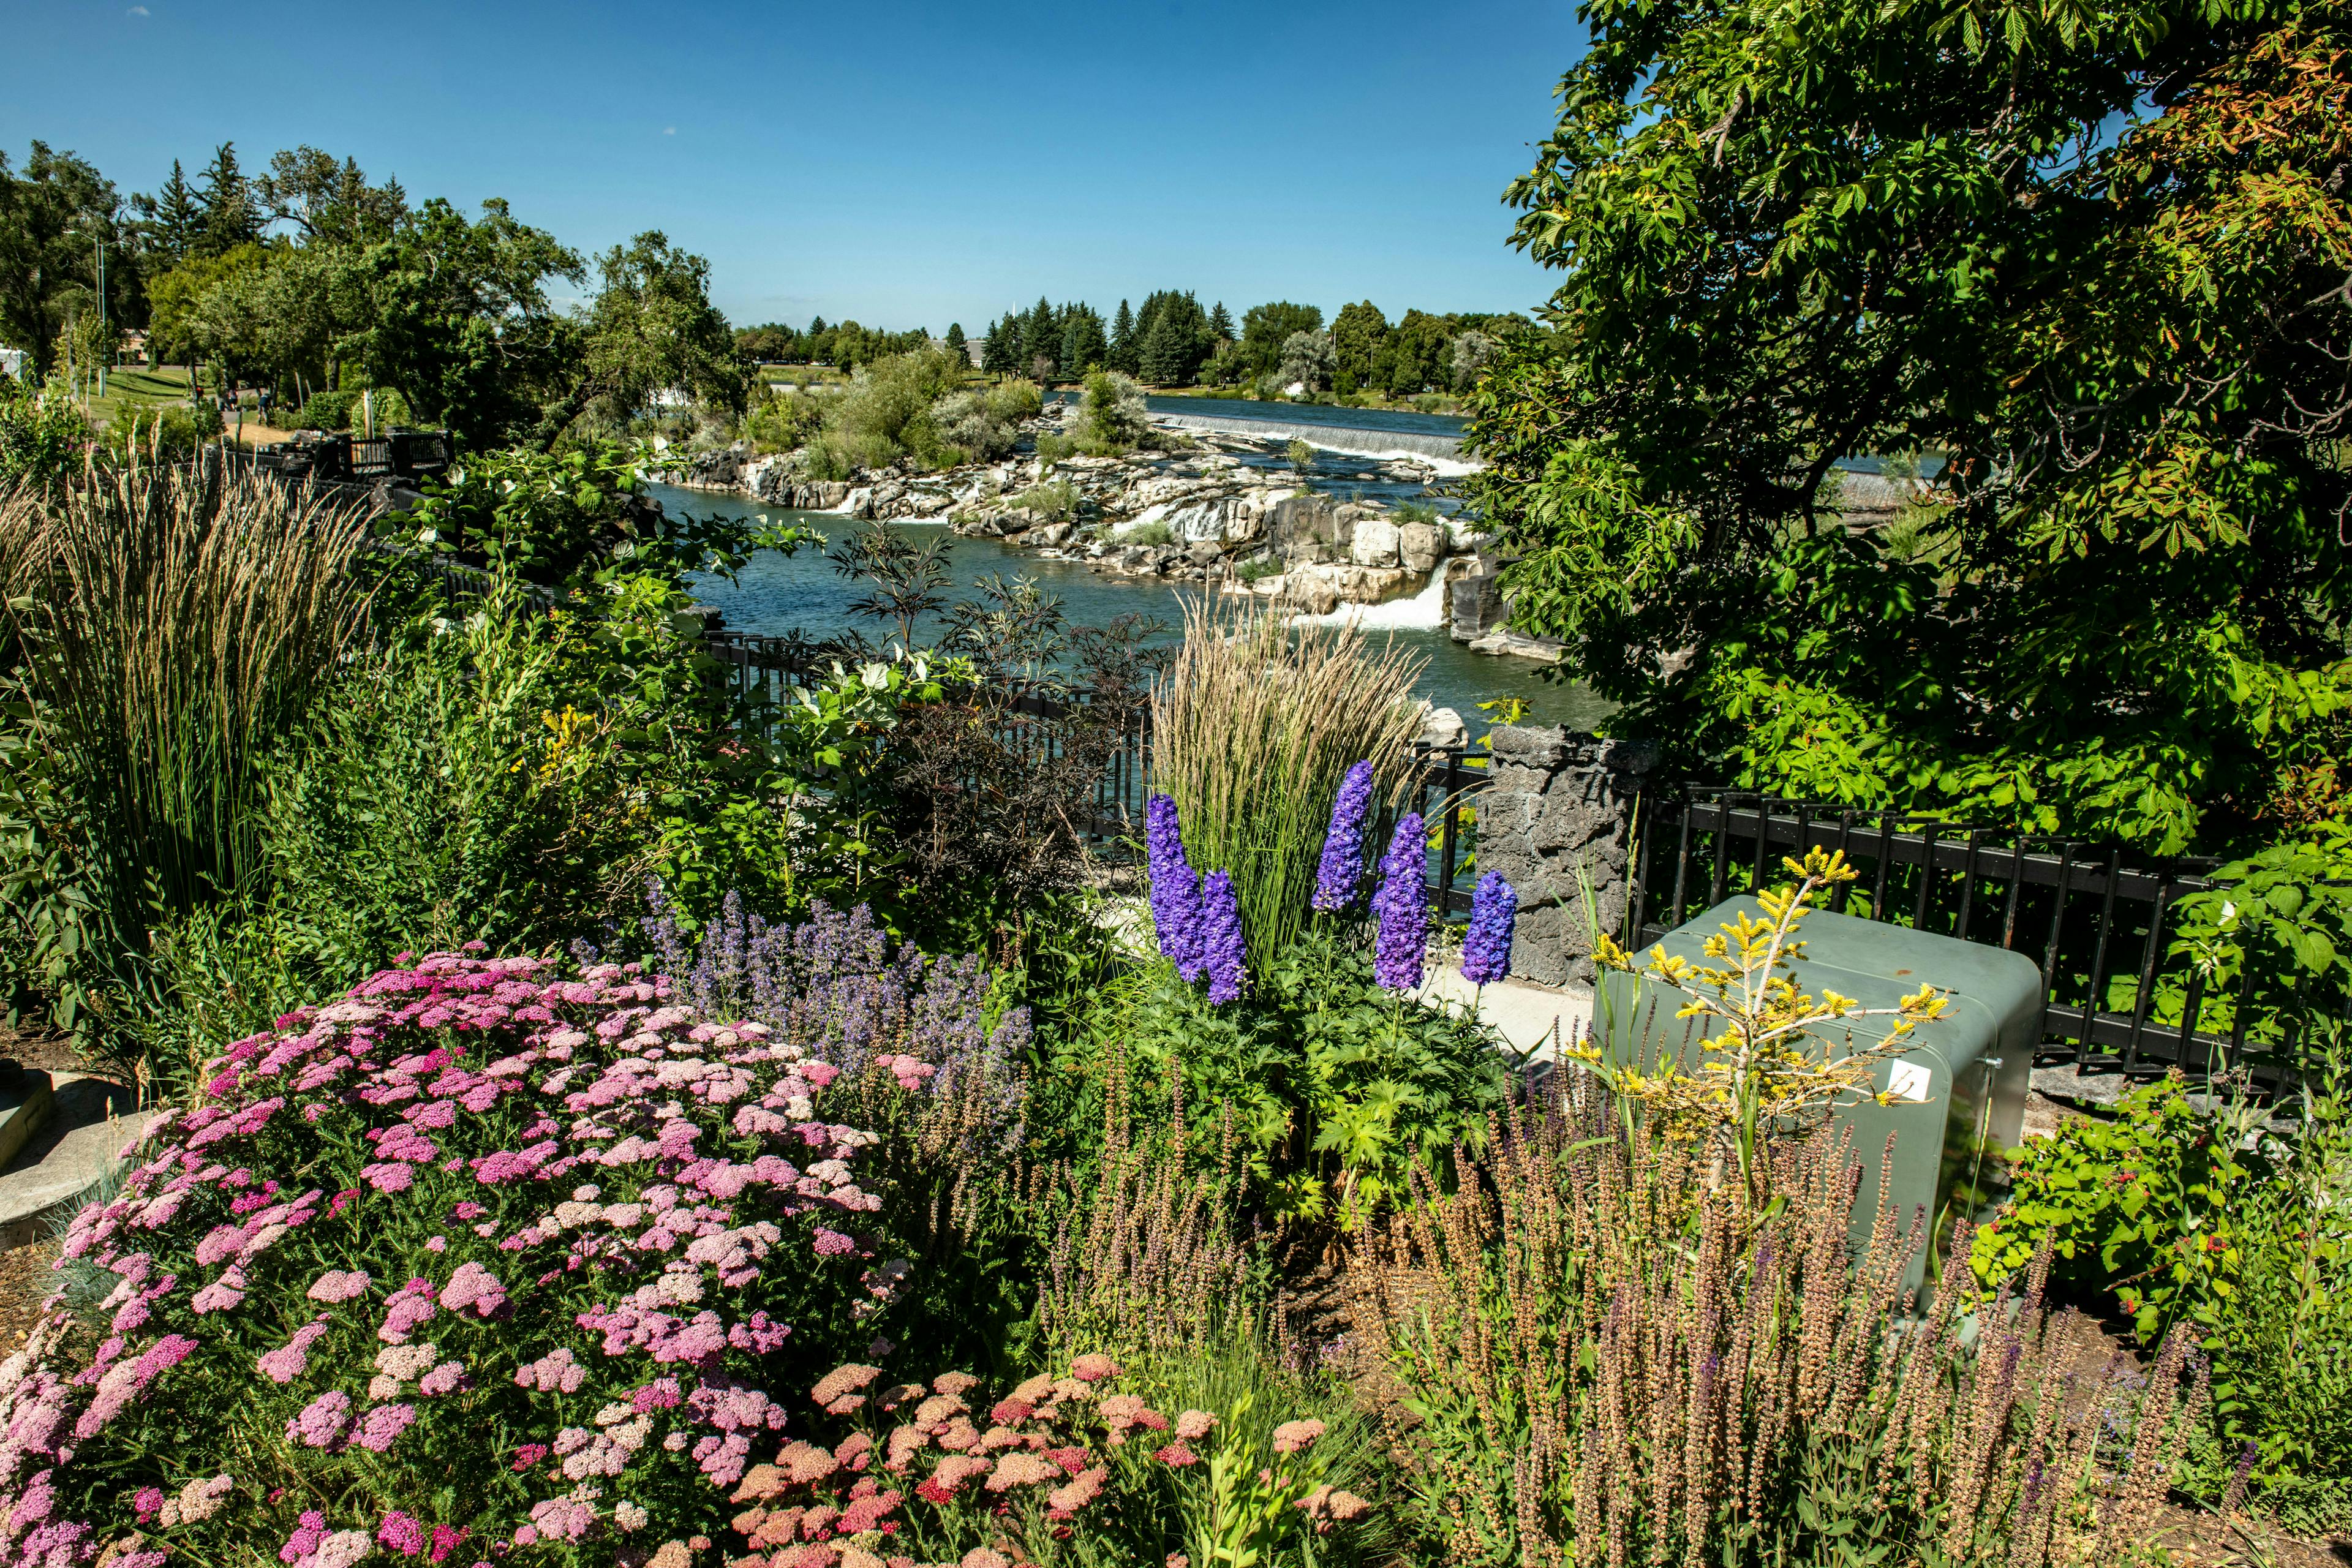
781	593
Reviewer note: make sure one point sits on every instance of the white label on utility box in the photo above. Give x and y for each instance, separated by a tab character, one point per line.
1907	1080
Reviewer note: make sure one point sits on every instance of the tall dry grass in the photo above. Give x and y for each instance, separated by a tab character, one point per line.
172	623
1606	1361
1252	727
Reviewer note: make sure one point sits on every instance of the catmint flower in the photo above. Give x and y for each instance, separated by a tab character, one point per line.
1343	847
1486	946
1403	908
1175	890
1220	938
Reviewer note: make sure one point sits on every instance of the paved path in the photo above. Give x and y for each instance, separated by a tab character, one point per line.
85	1136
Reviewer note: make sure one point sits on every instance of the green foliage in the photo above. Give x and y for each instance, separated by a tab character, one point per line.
149	429
1326	1087
42	435
53	216
982	424
2201	1217
650	327
781	421
1301	455
2272	939
1057	502
1114	412
886	414
1151	533
578	521
1911	230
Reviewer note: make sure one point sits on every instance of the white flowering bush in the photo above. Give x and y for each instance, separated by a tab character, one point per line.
482	1262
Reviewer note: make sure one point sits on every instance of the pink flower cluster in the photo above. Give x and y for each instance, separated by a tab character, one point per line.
480	1151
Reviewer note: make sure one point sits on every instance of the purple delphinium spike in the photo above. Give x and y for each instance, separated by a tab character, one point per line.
1486	946
1222	953
1402	908
1343	847
1175	889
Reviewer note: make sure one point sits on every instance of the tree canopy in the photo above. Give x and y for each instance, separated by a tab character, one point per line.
2093	264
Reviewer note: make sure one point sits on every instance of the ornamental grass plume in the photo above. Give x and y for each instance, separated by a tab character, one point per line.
1401	907
1223	956
1175	889
1487	945
1342	866
1756	1387
1254	728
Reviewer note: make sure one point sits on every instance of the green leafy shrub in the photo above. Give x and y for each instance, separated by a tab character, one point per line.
327	409
1113	412
168	430
782	421
42	435
1324	1086
1150	533
2195	1216
1057	501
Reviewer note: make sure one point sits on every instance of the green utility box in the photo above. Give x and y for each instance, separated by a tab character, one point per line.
1959	1090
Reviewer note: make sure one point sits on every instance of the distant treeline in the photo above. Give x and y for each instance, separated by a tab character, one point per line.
1172	342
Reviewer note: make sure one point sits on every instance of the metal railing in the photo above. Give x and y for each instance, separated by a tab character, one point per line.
2101	929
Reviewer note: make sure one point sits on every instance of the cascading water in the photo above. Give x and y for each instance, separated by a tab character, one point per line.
1425	611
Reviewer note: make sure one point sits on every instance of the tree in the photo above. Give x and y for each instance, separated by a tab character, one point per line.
457	318
1419	356
1221	323
171	221
651	327
230	218
1265	328
1126	352
1308	361
956	340
1000	351
2098	260
1175	340
1084	345
1358	335
52	216
1041	340
180	326
326	200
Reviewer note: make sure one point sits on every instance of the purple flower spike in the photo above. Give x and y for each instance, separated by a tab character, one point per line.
1486	946
1343	847
1175	890
1402	909
1220	938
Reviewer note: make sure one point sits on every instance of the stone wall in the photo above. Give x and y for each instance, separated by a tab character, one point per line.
1557	800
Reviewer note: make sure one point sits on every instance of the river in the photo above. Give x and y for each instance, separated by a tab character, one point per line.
802	591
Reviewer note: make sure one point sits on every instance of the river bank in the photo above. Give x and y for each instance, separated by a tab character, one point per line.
1345	535
777	594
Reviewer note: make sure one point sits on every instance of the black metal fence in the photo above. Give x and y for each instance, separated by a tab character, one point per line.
2101	926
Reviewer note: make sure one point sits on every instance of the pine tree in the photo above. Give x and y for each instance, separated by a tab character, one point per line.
230	218
956	339
999	352
1084	347
1221	323
171	220
1041	338
1123	346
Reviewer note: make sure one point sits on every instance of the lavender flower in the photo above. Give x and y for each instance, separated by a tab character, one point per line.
1343	847
1402	909
1175	890
1220	938
1487	947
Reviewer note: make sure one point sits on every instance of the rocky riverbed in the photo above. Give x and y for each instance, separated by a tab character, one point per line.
1213	508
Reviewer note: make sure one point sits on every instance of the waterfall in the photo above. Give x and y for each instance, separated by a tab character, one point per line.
1425	611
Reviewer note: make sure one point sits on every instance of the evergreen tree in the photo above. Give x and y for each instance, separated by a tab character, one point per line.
230	218
957	343
1221	323
1084	346
1041	338
817	326
1123	343
1176	338
999	352
171	220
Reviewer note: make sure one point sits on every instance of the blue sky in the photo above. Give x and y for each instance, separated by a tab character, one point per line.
897	164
